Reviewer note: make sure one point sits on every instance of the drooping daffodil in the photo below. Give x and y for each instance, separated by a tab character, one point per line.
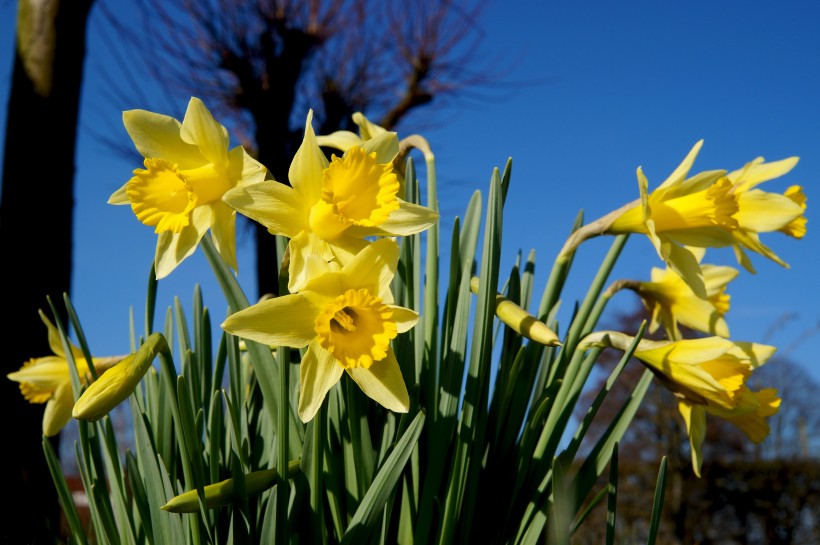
671	301
188	168
332	207
764	212
346	318
683	211
707	375
48	380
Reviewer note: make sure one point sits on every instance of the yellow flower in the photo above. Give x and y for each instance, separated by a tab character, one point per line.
333	207
749	414
118	382
671	301
706	375
698	211
188	167
346	318
764	212
48	379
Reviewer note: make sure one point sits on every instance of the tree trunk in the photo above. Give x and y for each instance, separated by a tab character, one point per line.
36	214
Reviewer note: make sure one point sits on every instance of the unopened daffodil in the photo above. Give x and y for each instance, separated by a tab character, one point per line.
706	375
764	212
48	379
333	207
346	318
188	168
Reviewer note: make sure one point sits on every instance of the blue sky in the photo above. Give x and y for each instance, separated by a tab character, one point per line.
623	84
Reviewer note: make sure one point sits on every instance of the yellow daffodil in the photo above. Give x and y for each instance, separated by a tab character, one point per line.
698	211
346	318
48	379
764	212
118	382
188	167
333	207
749	415
671	301
706	375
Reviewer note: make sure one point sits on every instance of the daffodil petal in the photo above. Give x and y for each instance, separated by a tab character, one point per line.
157	135
301	247
684	167
695	419
764	212
223	229
754	354
307	168
287	321
383	383
367	128
374	266
58	410
386	146
120	196
409	219
45	374
276	206
199	128
686	265
318	373
244	168
173	248
340	140
345	248
404	317
751	240
758	171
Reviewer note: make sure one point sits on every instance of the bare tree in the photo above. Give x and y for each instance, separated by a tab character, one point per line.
260	64
36	216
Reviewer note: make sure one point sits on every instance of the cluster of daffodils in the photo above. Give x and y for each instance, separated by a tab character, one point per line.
683	217
341	218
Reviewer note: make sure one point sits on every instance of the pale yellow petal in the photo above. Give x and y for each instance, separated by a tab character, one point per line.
758	171
340	140
45	374
367	128
173	248
409	219
120	196
58	410
318	373
374	266
244	168
301	247
695	418
680	173
681	260
199	128
386	146
701	315
345	248
277	206
404	317
157	135
307	168
287	321
764	212
754	354
383	383
751	240
223	229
